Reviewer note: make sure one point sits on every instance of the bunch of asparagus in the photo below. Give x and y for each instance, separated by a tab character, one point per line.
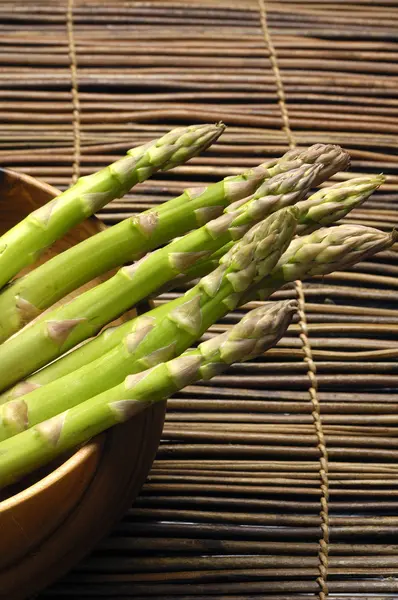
63	380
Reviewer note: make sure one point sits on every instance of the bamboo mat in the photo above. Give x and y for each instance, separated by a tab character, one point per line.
280	479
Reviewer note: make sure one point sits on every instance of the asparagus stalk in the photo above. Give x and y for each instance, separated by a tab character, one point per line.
83	317
132	283
321	252
258	330
25	298
152	339
332	158
24	243
322	208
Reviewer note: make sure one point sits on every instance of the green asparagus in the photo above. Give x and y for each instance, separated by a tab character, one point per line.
330	204
84	316
324	207
25	298
331	156
24	243
33	448
156	337
321	252
132	283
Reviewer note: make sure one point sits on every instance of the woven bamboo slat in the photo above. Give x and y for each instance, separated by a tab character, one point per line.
232	507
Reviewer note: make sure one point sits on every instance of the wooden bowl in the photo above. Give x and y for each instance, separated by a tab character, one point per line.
52	519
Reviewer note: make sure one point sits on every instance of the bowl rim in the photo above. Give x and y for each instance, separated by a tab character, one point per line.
65	468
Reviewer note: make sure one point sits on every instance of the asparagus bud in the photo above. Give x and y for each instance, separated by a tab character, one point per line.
321	252
332	157
330	204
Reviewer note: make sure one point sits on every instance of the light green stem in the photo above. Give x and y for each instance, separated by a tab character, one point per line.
24	243
28	296
324	207
152	340
83	317
35	447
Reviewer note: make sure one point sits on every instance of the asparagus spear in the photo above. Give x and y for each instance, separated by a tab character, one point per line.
332	157
25	298
321	252
324	207
24	243
166	263
328	205
84	316
152	340
258	331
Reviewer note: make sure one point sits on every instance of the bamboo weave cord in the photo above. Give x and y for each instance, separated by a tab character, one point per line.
74	91
305	340
231	508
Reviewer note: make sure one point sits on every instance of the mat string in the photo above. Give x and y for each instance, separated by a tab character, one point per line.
304	337
74	92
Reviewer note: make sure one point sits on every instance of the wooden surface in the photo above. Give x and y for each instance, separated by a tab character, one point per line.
232	506
53	518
